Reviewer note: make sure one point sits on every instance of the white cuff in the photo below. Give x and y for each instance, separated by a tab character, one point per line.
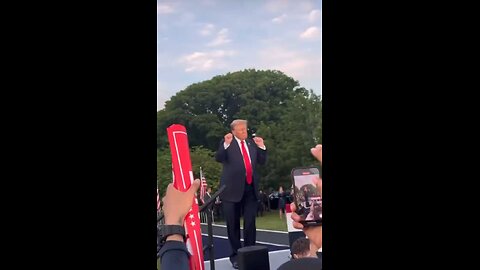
225	145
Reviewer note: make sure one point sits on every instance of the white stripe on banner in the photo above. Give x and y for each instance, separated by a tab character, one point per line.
198	250
188	243
178	156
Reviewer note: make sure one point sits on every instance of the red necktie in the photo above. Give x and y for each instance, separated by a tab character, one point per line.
248	166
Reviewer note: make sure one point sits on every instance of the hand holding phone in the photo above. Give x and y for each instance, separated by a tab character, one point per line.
307	195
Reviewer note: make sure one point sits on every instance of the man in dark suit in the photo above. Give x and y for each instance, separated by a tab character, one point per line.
240	157
261	203
208	194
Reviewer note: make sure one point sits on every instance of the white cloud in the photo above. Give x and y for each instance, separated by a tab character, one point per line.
207	30
305	6
311	33
295	66
224	31
205	61
300	65
275	53
222	38
276	5
289	6
164	9
315	15
222	53
207	64
185	18
194	56
288	61
279	19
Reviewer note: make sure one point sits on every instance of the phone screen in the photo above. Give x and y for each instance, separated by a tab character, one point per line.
308	200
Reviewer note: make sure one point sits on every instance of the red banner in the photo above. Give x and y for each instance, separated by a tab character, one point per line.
182	179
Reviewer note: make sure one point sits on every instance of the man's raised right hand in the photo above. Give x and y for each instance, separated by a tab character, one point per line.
228	138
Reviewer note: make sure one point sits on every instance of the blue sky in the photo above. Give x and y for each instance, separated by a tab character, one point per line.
199	39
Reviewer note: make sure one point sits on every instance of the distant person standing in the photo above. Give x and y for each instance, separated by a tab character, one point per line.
208	196
218	209
262	202
281	201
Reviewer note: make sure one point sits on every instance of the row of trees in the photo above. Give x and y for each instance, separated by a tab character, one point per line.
278	109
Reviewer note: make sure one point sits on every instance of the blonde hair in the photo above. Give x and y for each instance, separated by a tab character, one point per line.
237	122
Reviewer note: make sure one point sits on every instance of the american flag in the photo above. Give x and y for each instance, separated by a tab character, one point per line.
203	189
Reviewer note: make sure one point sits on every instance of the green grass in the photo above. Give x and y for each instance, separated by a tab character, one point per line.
269	221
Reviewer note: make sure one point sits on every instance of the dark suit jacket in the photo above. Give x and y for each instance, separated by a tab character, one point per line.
207	197
233	173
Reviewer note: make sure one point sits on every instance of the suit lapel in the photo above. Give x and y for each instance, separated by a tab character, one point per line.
237	147
251	149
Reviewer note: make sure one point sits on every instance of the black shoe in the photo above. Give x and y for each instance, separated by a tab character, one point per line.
235	265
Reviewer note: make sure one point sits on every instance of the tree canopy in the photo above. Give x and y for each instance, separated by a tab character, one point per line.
278	109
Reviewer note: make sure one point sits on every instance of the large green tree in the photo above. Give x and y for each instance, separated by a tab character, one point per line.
278	109
207	108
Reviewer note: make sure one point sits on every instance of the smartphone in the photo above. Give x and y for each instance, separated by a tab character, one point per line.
252	132
308	200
